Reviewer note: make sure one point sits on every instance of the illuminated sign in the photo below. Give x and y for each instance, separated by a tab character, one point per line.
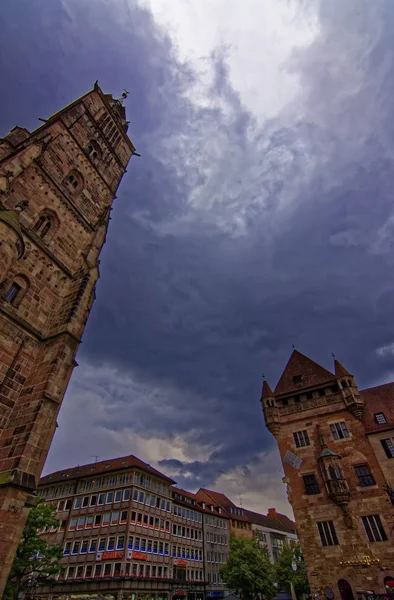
180	563
139	556
111	555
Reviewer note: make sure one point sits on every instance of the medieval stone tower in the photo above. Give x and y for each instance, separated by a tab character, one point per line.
57	186
335	483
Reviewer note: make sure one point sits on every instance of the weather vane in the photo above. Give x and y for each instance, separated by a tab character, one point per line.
125	93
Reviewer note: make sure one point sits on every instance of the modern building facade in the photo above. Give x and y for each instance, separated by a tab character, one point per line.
331	448
57	185
128	532
273	530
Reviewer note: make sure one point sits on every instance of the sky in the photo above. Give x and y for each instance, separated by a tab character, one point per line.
259	216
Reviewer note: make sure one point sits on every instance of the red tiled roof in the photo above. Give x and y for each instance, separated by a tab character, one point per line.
340	370
267	392
271	523
312	374
378	399
104	466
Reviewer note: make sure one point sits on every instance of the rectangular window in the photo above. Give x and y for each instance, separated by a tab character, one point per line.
12	293
133	516
146	520
93	546
301	439
70	572
155	547
137	543
374	528
149	546
388	447
327	532
130	542
142	497
101	499
93	500
78	503
62	526
143	545
139	518
84	546
81	523
380	418
76	547
118	496
107	569
67	548
126	495
163	505
88	570
97	521
161	547
110	497
111	543
67	504
310	484
365	477
120	544
123	516
97	570
101	546
153	501
168	505
85	502
339	430
106	519
135	495
151	522
79	572
114	518
89	522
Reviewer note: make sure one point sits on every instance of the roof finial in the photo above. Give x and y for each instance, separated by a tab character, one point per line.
333	355
263	376
293	346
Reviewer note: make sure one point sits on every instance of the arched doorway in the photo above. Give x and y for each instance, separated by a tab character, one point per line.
345	590
389	584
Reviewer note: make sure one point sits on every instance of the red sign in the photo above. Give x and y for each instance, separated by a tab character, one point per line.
180	563
179	593
139	556
110	555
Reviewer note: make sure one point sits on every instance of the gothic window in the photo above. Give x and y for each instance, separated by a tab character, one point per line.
327	533
334	472
16	290
74	181
93	150
374	528
42	225
365	477
339	430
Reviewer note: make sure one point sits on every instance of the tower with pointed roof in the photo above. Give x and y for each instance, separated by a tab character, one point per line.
57	185
334	480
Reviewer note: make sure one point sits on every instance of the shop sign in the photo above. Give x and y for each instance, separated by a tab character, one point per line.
179	593
111	555
139	556
180	563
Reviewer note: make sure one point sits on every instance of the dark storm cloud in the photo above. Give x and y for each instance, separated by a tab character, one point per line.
229	241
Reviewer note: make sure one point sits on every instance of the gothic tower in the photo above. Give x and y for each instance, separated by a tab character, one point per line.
57	186
334	481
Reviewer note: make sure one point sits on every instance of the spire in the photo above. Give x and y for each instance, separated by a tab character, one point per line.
301	372
267	392
340	370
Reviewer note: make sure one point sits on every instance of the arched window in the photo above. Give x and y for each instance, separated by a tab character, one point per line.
42	225
74	181
93	150
16	290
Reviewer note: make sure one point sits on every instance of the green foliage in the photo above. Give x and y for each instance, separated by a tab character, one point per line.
27	566
248	569
284	571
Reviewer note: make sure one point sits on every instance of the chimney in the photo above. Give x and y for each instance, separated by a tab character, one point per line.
272	513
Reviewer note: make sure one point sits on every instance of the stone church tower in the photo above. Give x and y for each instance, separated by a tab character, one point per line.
57	186
335	483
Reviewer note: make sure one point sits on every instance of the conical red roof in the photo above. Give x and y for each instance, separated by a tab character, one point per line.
267	392
301	372
340	370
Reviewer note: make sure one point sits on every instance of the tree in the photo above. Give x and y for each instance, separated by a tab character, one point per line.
248	569
291	553
35	559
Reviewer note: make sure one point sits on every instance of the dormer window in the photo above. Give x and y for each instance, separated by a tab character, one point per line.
297	379
380	418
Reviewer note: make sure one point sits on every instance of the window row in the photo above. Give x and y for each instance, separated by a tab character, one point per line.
104	498
115	570
216	522
186	513
214	538
118	517
214	578
186	532
339	432
123	479
150	500
187	553
363	472
216	557
372	524
241	525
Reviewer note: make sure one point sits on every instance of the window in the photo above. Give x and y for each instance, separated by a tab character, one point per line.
339	430
76	547
142	497
89	522
120	544
374	528
70	572
88	570
42	225
79	572
364	475
111	543
101	546
301	438
93	500
78	502
327	532
118	496
67	548
126	494
311	485
84	546
67	504
388	447
73	524
93	150
123	516
81	523
62	526
97	521
380	418
93	546
101	499
114	518
110	497
130	543
97	570
297	379
106	518
12	293
74	181
107	569
85	502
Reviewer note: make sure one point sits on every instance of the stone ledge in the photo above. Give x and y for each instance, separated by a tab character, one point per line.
18	478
